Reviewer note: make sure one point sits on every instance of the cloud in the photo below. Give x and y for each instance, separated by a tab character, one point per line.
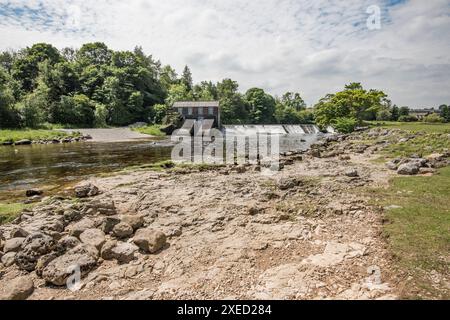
314	47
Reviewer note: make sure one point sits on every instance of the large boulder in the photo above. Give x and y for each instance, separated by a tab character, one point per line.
149	240
60	269
93	237
123	230
85	191
106	252
18	289
13	245
410	168
135	221
33	247
124	252
108	224
79	227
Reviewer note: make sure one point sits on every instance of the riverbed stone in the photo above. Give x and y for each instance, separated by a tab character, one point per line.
149	240
69	242
410	168
23	142
33	247
18	289
13	245
34	192
135	221
19	233
8	259
85	191
79	227
106	252
124	252
93	237
123	230
108	223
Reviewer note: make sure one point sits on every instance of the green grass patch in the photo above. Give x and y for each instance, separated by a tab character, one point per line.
29	134
9	211
421	145
414	126
418	228
153	130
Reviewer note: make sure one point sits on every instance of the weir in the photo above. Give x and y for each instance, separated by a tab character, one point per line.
301	129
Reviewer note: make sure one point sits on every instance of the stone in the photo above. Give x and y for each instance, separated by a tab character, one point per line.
335	253
18	289
85	191
81	226
426	170
44	261
13	245
149	240
391	165
23	142
93	237
123	230
69	242
34	192
106	208
33	247
410	168
19	233
8	259
109	223
436	157
60	269
288	183
124	252
135	221
352	173
106	252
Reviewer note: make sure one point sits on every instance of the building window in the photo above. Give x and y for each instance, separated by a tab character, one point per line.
180	110
211	111
200	111
190	111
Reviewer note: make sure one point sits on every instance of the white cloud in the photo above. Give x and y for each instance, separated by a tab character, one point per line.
314	47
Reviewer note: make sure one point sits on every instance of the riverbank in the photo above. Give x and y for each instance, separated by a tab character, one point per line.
310	232
27	137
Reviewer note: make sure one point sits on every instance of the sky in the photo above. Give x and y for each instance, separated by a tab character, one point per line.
311	47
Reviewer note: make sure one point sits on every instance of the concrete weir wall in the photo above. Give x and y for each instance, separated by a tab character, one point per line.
300	129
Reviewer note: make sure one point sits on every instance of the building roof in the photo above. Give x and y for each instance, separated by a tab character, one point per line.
196	104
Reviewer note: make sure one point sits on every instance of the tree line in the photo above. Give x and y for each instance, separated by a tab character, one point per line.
95	86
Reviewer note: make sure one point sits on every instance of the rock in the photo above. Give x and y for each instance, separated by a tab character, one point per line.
13	245
135	221
124	252
106	208
59	270
44	261
410	168
81	226
106	252
23	142
150	240
33	247
335	253
69	242
18	289
351	173
85	191
93	237
436	157
123	230
19	233
288	183
34	192
426	170
391	165
8	259
109	223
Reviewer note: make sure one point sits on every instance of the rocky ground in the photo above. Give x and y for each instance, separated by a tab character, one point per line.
307	232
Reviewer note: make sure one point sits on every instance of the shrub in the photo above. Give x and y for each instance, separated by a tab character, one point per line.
408	119
100	116
433	118
345	125
384	115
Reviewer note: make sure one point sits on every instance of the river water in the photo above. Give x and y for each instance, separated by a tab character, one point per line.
54	167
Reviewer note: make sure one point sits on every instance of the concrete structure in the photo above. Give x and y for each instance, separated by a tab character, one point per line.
203	111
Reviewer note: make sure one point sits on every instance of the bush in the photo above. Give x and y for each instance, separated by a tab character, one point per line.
101	116
384	115
345	125
433	118
408	119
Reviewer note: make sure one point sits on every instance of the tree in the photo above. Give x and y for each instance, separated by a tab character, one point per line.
403	111
26	67
178	92
94	54
384	115
293	100
186	78
205	91
168	77
353	102
233	108
8	114
76	110
395	113
444	112
433	118
261	106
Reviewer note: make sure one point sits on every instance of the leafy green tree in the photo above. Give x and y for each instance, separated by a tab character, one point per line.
293	100
384	115
433	118
101	116
233	107
159	111
94	54
205	91
395	113
76	110
168	77
178	92
444	112
26	66
261	106
353	102
186	78
403	111
345	125
8	114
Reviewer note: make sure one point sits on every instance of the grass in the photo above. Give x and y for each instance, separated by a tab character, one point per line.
153	130
419	229
421	145
9	211
30	134
414	126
